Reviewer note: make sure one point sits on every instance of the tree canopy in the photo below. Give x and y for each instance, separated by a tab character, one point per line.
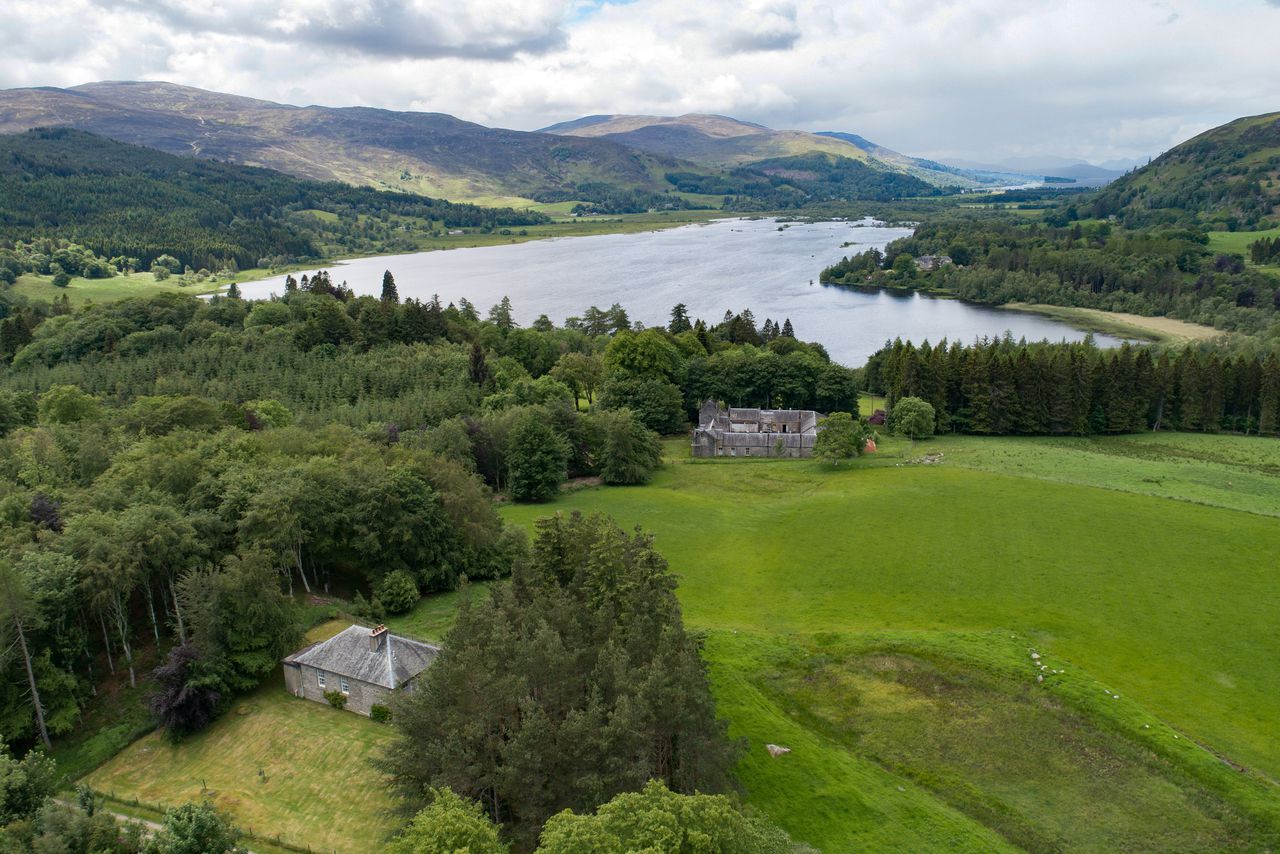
573	683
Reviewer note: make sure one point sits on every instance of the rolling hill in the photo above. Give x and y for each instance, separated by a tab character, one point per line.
126	200
1225	177
428	153
721	142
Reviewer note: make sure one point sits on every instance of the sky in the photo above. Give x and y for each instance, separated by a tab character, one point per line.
979	80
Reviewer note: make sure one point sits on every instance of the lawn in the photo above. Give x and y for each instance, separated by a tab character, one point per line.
1145	565
317	786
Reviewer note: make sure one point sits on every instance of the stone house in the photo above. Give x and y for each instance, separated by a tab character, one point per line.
929	263
367	665
737	432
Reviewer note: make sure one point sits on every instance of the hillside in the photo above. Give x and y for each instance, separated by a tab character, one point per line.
126	200
721	142
428	153
1225	177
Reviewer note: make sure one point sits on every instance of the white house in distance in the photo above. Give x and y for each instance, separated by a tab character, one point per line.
366	664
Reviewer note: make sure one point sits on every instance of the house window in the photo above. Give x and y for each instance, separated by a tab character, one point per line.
320	679
342	683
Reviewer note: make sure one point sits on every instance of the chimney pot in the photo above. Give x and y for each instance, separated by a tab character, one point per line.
375	637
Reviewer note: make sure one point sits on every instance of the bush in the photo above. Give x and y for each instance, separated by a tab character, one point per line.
398	592
379	713
337	699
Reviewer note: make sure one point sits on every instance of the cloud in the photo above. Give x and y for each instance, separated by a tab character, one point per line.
978	80
421	29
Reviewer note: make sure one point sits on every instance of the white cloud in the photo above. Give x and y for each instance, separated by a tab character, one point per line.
979	80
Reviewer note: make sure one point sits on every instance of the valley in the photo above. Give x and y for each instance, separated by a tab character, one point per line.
693	474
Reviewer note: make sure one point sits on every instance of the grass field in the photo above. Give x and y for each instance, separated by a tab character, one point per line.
1237	243
319	788
832	601
81	291
880	621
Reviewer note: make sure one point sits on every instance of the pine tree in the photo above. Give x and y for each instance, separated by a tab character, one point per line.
479	365
390	296
679	319
787	330
1269	396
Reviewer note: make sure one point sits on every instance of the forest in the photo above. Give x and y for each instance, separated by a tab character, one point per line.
125	201
1059	260
1006	387
801	181
169	461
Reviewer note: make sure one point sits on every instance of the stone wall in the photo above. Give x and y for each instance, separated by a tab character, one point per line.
302	680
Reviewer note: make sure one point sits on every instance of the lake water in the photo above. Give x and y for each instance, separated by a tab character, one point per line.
711	267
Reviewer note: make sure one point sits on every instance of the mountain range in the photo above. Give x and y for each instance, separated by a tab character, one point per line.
440	155
429	153
721	142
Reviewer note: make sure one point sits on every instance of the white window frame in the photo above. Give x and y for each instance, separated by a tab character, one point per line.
343	686
320	679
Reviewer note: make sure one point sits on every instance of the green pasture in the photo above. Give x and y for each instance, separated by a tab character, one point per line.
1143	566
80	291
1237	243
880	621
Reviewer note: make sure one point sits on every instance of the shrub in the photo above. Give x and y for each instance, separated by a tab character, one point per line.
398	592
379	713
337	699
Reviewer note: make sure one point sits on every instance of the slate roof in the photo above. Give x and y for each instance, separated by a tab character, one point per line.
349	653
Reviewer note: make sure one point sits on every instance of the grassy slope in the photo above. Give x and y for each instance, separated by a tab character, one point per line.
1164	602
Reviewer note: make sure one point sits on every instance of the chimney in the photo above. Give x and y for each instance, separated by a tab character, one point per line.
376	636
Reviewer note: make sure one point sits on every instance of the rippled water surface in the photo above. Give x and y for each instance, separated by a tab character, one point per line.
713	267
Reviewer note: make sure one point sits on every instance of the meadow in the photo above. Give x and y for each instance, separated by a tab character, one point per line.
1237	243
1034	644
880	621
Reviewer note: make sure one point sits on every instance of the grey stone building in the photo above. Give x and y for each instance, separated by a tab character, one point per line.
365	664
734	432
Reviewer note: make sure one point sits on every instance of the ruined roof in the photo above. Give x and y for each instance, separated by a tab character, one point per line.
351	653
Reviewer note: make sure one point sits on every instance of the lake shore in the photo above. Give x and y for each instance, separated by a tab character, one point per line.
1157	330
81	291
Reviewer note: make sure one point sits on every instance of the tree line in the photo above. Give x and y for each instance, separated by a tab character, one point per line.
1151	271
1265	250
1007	387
